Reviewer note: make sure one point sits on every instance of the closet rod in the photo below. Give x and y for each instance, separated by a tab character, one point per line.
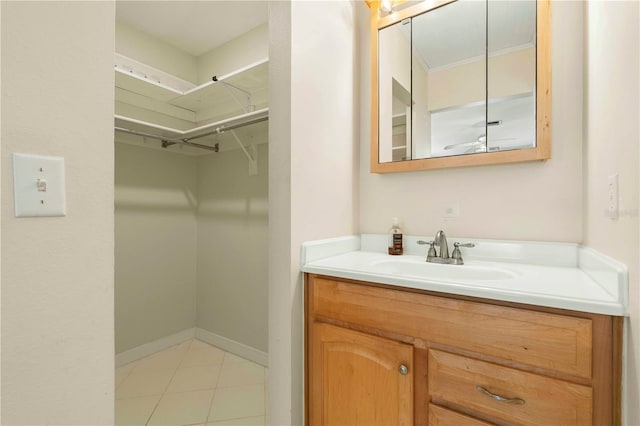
162	138
223	128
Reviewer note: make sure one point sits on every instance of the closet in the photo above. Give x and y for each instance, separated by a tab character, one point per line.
191	206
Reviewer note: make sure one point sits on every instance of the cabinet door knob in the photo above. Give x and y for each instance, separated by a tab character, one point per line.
514	401
403	369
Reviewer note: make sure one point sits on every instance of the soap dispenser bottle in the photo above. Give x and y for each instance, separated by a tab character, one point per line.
395	237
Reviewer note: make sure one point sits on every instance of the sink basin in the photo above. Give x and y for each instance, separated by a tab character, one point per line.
422	269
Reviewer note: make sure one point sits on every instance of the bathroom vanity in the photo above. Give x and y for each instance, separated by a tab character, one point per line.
389	346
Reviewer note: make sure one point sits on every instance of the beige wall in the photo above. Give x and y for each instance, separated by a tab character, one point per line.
395	64
535	201
313	168
281	285
186	227
155	251
612	136
57	273
248	48
421	119
510	74
232	247
241	52
150	51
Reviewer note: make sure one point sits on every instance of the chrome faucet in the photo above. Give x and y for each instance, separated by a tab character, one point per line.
441	241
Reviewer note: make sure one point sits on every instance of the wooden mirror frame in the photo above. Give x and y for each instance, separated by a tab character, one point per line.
542	150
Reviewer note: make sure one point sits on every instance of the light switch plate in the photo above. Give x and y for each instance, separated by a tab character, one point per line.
38	185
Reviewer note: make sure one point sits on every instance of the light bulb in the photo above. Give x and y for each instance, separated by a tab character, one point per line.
386	6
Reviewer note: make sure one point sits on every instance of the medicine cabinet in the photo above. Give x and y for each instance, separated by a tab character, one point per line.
459	83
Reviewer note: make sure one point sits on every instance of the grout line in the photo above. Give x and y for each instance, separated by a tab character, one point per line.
240	385
266	401
215	386
164	392
115	388
186	352
226	356
154	410
213	397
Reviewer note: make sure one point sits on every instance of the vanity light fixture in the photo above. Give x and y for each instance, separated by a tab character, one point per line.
386	6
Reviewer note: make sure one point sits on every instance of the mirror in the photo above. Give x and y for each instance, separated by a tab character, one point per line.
460	83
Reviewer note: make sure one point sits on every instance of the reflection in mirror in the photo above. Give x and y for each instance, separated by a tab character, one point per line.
449	80
459	79
401	122
394	92
459	83
511	86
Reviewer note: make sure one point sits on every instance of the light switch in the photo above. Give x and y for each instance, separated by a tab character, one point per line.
38	185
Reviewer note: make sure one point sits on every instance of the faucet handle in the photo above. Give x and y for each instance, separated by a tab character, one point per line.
456	251
432	249
470	245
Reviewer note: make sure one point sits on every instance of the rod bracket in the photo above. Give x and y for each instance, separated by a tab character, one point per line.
233	90
251	156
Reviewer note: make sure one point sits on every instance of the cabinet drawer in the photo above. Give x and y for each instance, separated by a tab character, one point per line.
439	416
548	341
455	379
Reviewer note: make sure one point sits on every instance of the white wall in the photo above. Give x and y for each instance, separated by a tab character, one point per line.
155	244
57	273
232	247
612	137
312	168
534	201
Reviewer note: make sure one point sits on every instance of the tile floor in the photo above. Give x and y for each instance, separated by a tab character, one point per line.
192	383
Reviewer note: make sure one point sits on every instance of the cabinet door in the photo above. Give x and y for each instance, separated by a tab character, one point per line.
359	379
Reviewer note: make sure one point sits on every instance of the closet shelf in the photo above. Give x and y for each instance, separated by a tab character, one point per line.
153	104
155	84
132	125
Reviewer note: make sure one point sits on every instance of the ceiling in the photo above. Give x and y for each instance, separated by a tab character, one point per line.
195	27
456	33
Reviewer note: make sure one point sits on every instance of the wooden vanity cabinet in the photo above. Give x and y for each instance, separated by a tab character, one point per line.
384	355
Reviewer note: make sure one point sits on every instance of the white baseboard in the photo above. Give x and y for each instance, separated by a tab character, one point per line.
153	347
236	348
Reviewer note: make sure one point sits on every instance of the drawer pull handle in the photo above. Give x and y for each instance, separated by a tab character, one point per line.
403	370
514	401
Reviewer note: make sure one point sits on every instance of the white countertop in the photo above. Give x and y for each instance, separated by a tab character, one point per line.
575	278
